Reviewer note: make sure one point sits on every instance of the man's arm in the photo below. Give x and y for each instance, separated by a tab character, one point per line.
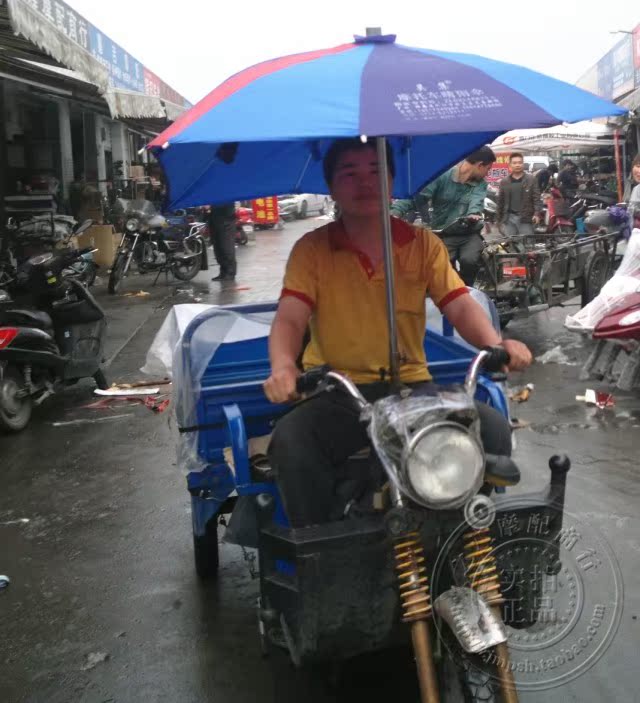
537	200
476	202
285	345
401	208
471	321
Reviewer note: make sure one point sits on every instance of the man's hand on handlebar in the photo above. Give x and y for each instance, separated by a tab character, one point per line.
280	387
519	355
475	217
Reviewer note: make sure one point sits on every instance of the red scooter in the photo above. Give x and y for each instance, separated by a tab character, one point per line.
616	357
558	220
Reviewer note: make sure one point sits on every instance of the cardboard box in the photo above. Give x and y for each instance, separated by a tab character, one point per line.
103	238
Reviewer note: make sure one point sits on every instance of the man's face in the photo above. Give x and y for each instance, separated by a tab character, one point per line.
479	171
635	171
517	166
355	185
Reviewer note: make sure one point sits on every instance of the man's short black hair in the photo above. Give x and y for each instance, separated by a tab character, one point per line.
484	155
338	148
515	155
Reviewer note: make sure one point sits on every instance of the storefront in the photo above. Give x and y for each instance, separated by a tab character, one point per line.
77	108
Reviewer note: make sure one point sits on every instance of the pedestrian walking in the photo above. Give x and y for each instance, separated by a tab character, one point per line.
222	227
518	200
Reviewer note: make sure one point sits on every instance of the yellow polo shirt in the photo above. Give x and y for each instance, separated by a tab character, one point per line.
347	296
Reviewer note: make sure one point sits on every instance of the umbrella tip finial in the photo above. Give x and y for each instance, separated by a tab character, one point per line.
363	138
373	31
165	145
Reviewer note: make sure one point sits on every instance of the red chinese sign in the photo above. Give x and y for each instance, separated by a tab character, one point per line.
500	169
265	210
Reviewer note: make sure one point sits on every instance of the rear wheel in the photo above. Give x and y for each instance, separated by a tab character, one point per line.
117	272
15	401
596	273
303	210
205	551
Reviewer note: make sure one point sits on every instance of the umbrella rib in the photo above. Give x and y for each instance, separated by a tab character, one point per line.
303	172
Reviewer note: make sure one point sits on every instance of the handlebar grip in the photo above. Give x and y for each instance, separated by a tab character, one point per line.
310	380
497	359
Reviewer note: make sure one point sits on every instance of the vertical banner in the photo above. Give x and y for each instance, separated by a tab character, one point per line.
265	211
499	170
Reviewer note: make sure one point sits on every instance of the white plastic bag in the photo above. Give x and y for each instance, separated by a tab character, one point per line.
613	294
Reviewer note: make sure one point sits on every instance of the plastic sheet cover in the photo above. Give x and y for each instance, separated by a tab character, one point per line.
395	420
190	357
613	294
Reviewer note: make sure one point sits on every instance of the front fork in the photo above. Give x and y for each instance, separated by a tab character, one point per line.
413	585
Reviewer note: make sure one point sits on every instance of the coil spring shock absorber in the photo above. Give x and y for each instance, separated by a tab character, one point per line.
482	573
412	578
413	584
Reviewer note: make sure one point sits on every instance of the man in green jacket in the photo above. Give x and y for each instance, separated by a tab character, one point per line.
459	192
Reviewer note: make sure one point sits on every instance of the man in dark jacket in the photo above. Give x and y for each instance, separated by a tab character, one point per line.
568	179
518	200
458	192
544	177
222	228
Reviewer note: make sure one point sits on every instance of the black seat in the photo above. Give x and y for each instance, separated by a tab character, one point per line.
25	317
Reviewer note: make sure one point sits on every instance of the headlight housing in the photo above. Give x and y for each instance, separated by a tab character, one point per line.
444	466
132	225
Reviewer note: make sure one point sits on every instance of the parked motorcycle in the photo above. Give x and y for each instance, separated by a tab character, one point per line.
244	225
51	336
154	246
41	235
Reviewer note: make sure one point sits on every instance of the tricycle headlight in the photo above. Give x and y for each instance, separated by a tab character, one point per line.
132	225
444	465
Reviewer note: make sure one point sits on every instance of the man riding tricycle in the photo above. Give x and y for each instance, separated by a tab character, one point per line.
377	507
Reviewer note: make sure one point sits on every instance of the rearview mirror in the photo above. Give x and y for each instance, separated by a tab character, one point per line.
84	227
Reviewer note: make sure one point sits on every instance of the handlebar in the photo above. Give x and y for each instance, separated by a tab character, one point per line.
310	380
491	359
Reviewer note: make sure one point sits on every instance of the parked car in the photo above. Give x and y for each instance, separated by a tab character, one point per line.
298	206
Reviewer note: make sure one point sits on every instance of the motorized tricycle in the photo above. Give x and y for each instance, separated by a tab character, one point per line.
418	547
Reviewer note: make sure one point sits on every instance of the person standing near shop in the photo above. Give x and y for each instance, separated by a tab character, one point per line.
222	227
518	200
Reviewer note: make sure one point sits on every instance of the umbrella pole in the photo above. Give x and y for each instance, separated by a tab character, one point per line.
389	276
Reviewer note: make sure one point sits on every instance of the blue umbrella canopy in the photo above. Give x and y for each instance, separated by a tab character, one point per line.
264	131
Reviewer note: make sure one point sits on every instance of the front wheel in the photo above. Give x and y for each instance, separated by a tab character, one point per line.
101	380
15	401
90	271
467	680
117	272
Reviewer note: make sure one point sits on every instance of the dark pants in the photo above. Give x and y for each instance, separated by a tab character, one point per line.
312	442
466	250
224	244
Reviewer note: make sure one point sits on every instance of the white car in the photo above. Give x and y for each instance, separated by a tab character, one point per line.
301	205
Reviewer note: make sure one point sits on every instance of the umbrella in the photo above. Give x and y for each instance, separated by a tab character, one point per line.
277	118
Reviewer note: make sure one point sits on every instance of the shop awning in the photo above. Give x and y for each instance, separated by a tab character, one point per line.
59	40
579	136
631	101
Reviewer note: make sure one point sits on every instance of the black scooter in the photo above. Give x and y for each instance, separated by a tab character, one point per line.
52	341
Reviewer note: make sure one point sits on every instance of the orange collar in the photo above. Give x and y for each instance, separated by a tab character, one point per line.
402	232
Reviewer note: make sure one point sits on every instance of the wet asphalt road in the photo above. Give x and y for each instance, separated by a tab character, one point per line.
104	605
